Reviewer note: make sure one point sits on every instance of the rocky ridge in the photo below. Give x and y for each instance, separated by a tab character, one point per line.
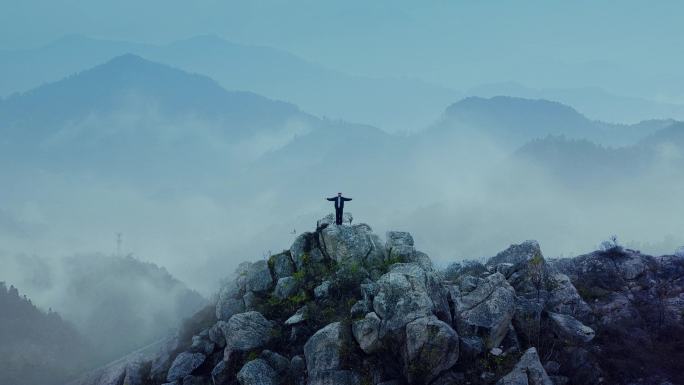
342	307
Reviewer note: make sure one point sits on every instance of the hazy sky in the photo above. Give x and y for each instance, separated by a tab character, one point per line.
629	47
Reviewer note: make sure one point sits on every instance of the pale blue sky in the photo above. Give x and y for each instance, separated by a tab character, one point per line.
629	47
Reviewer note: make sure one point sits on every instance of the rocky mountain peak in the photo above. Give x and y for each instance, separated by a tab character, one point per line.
342	306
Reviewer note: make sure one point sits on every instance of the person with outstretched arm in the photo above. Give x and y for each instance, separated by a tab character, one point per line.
339	206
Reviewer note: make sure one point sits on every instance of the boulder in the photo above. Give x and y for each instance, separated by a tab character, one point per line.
184	364
282	265
286	287
355	243
258	277
229	301
202	344
323	290
570	329
329	220
221	373
528	371
298	370
257	372
323	360
401	298
250	300
399	246
298	317
246	331
305	250
486	311
278	362
431	347
524	267
367	333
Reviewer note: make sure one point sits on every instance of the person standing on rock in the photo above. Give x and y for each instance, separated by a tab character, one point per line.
339	206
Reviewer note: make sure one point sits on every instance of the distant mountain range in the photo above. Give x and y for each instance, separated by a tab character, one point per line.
514	121
393	104
594	102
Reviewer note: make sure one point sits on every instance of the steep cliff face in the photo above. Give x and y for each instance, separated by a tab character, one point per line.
343	307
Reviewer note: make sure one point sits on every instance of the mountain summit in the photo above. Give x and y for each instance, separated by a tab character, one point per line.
341	306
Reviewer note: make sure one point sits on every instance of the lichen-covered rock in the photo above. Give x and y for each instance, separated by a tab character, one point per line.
528	371
282	265
486	311
431	347
367	333
524	267
401	298
257	372
399	245
246	331
355	243
329	220
570	329
286	287
258	277
305	250
184	364
323	360
323	290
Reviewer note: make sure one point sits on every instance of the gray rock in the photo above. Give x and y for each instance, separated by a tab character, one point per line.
282	265
258	276
355	243
229	301
401	298
486	311
360	308
286	287
329	220
367	333
528	371
277	361
470	347
304	250
220	375
399	246
257	372
527	319
431	347
113	375
323	361
298	317
216	334
298	370
246	331
202	344
323	290
184	364
570	329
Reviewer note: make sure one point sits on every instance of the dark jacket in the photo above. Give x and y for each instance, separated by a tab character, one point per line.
339	201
